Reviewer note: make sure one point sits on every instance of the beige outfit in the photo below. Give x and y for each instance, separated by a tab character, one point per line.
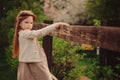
32	59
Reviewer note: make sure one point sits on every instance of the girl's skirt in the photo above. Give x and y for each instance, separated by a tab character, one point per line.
34	71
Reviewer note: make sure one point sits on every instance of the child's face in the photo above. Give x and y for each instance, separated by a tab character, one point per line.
27	23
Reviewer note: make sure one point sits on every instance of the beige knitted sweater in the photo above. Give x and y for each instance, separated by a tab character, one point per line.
29	48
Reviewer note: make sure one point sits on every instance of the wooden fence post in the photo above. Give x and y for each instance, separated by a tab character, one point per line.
47	45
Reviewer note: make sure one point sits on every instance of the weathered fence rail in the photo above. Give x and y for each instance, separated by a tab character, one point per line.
104	37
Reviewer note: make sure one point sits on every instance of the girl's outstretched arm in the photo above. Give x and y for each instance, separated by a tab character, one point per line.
41	32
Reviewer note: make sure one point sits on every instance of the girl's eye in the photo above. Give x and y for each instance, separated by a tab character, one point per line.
26	22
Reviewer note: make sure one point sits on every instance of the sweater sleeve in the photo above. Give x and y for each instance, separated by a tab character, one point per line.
41	32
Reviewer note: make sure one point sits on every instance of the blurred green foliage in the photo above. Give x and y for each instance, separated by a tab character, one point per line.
104	9
97	22
70	63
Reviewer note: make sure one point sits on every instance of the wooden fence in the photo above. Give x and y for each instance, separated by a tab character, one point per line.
105	37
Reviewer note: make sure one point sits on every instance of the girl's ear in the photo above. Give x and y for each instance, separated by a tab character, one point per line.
20	24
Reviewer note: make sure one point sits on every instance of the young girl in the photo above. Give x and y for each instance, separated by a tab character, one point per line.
32	59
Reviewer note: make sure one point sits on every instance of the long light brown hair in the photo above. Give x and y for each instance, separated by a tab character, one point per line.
20	17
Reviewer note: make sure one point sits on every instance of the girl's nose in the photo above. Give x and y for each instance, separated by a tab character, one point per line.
30	24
